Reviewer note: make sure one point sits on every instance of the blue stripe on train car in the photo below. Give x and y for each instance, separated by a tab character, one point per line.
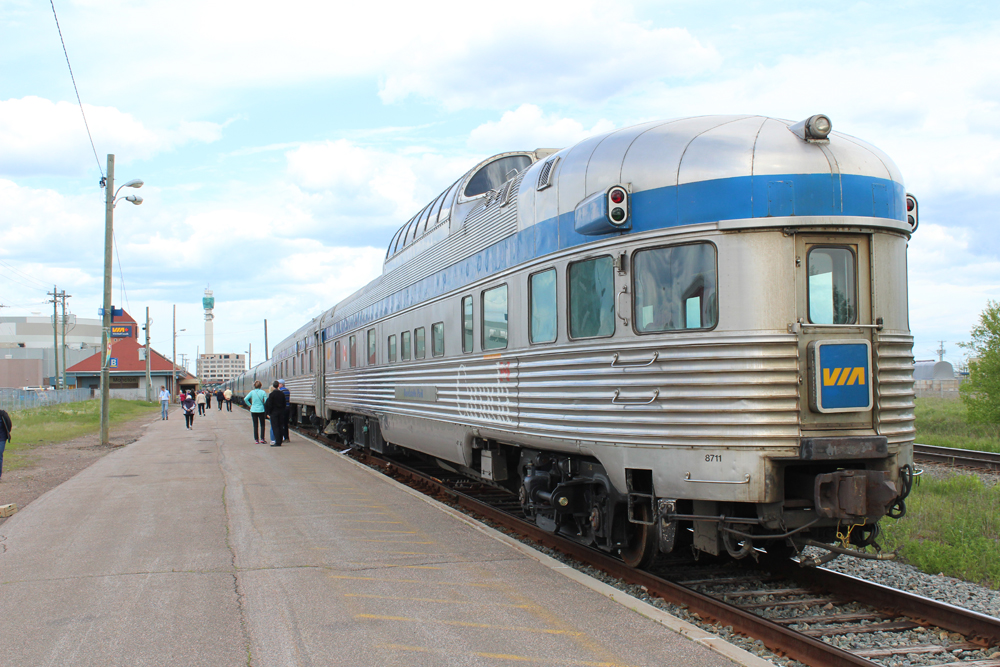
737	198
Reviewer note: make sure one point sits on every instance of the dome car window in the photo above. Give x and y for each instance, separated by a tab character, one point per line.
495	318
675	288
542	295
495	174
592	298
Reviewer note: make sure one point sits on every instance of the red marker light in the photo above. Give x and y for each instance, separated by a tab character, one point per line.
909	204
617	196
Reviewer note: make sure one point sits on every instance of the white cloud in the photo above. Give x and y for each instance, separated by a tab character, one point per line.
528	127
44	137
368	187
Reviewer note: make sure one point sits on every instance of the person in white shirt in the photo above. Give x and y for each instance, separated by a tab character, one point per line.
164	402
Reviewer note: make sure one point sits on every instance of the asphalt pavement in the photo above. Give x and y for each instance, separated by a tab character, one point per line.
200	547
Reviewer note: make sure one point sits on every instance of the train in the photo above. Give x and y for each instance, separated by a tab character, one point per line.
685	334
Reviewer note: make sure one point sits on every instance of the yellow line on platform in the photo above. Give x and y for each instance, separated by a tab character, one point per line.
502	656
411	581
406	599
393	532
467	624
358	539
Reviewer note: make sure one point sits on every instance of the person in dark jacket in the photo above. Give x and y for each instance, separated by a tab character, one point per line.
6	426
274	406
288	405
219	398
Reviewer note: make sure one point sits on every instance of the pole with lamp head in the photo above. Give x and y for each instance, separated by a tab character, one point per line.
109	207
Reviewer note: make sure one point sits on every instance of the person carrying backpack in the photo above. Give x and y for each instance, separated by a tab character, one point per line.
6	426
255	399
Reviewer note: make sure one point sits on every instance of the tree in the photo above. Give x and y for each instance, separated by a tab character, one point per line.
981	391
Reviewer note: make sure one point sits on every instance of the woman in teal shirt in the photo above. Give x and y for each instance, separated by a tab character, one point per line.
255	399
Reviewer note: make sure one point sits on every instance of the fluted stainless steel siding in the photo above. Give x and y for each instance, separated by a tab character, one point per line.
894	355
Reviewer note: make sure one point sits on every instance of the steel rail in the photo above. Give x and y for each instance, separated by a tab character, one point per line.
960	457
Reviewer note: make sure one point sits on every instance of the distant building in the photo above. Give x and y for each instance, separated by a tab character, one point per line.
27	348
219	368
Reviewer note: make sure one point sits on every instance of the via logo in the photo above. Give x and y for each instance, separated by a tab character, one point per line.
842	376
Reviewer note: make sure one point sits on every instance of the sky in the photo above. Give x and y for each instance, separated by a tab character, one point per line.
281	145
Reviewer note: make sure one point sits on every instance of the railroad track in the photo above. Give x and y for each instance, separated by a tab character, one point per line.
965	458
795	613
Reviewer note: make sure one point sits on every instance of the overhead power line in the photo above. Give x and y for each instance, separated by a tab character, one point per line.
73	78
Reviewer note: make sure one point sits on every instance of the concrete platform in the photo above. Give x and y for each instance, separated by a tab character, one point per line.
202	548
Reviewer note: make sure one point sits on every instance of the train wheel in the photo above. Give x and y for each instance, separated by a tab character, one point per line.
643	547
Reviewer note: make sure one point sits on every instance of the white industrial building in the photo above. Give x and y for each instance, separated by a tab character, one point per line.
27	347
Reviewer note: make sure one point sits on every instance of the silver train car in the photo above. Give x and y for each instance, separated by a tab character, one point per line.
684	334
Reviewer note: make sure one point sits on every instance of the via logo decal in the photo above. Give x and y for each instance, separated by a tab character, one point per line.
842	376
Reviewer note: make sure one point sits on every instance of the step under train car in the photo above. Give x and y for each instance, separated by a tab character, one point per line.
691	333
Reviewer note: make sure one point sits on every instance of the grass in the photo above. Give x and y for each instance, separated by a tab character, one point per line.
942	422
59	423
952	526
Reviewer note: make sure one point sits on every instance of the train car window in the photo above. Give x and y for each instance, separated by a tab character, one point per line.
418	343
592	298
467	324
833	294
449	199
542	296
336	355
293	367
353	352
495	318
404	345
675	288
437	339
495	174
391	348
371	347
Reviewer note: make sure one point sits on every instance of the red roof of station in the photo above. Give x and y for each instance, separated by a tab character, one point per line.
126	351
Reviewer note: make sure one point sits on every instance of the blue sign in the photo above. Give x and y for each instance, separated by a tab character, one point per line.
842	376
113	362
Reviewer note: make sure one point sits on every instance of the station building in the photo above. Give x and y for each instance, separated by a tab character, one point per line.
127	365
28	349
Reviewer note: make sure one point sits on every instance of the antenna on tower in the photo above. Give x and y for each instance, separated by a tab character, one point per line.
940	351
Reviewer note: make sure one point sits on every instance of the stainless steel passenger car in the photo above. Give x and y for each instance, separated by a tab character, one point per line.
699	323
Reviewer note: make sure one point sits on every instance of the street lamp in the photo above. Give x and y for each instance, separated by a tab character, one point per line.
109	207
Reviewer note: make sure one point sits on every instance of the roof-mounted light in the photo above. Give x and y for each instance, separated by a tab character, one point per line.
813	129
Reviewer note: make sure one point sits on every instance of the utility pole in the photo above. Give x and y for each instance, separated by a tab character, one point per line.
250	354
265	339
109	211
64	296
55	333
173	359
149	384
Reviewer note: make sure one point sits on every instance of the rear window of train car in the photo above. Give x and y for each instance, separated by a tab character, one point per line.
592	298
833	294
675	288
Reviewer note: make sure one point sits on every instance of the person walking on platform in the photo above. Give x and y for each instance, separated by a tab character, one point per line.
208	400
201	402
275	408
288	405
228	393
188	405
6	426
219	398
255	399
164	403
